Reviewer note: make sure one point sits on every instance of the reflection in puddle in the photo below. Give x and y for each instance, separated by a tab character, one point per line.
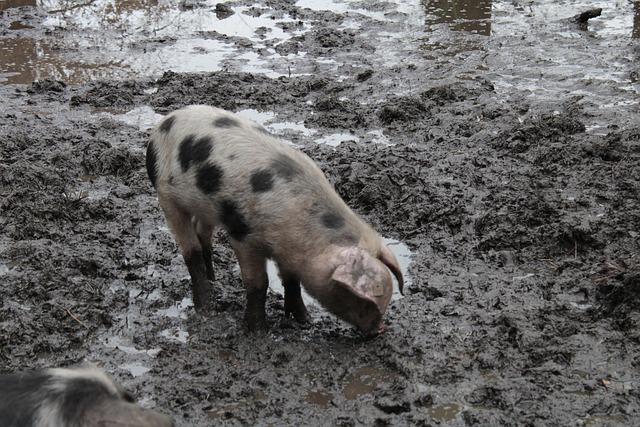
133	39
473	16
23	60
124	39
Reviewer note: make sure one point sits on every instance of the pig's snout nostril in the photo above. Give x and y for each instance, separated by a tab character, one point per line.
380	329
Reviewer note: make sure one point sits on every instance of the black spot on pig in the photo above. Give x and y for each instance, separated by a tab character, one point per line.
226	122
285	167
167	124
152	160
209	178
331	220
194	151
261	181
233	221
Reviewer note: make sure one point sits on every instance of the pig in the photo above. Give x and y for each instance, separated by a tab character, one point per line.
82	396
212	168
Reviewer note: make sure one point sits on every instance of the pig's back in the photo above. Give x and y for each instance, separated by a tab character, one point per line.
230	171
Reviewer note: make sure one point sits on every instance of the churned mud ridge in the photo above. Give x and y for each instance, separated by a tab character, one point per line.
524	302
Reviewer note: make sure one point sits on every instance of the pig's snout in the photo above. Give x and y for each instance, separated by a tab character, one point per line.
380	329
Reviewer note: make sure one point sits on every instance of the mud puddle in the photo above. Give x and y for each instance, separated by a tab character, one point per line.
497	141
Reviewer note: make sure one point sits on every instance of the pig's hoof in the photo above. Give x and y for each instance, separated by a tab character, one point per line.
300	316
203	298
256	325
204	305
298	311
205	311
289	322
258	330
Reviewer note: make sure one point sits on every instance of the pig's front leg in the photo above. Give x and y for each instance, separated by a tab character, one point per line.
293	303
256	282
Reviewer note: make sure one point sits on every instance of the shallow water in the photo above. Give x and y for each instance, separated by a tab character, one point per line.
124	39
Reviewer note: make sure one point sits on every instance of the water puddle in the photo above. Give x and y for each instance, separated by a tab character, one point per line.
178	310
445	412
127	39
271	122
135	369
364	380
78	43
124	39
119	343
605	420
144	118
175	334
7	266
8	4
321	398
468	16
335	139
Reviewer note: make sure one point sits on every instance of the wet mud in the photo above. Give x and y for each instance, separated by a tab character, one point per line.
503	148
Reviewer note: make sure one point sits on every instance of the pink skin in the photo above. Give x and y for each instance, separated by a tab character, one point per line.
275	203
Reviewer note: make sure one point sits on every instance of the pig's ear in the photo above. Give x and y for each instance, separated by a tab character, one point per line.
389	259
352	269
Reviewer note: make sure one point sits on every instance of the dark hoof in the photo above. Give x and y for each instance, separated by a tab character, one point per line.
256	324
300	314
203	297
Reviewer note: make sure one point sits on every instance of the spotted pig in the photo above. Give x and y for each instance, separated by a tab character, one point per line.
212	169
70	397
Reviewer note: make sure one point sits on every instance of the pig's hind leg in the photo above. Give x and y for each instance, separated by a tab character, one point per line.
184	230
293	303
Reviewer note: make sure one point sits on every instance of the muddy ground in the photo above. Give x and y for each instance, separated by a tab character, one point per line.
521	207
